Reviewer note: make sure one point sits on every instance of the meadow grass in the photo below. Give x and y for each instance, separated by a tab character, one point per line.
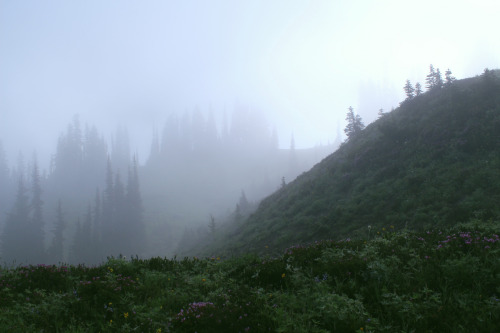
393	281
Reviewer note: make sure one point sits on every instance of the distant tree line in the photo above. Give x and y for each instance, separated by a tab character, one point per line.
112	226
88	204
434	81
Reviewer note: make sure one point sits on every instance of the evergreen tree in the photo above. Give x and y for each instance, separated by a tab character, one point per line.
86	254
354	124
15	244
418	89
381	113
56	251
211	225
78	246
36	230
449	78
135	230
439	79
108	203
119	240
431	78
409	90
97	227
243	203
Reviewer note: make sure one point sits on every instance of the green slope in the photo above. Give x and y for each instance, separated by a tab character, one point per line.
433	161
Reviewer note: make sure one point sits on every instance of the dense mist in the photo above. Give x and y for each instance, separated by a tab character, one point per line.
97	200
139	128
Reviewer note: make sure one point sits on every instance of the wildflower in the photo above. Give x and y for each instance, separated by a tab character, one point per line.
125	315
111	321
158	330
203	280
283	275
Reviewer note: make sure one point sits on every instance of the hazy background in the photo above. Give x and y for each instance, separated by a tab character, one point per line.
300	63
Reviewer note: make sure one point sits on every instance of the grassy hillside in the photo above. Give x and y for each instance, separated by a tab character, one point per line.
440	280
433	161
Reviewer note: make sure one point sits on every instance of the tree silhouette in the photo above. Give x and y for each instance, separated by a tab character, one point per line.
134	228
449	79
418	89
56	251
354	124
409	90
36	230
15	245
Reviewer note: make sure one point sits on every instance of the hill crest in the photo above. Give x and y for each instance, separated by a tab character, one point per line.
433	161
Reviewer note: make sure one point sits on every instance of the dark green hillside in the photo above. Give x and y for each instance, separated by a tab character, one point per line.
433	161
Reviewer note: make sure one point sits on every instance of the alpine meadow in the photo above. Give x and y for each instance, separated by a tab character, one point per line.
397	230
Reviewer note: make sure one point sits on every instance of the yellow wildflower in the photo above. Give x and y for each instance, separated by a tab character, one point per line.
283	275
125	315
203	280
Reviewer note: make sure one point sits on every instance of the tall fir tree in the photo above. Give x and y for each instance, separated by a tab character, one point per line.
439	79
97	227
108	203
449	78
118	240
354	124
56	251
15	245
430	79
418	89
36	230
409	90
136	233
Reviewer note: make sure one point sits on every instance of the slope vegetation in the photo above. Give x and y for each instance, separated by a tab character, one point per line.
432	162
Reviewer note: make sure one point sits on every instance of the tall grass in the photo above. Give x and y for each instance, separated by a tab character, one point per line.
393	281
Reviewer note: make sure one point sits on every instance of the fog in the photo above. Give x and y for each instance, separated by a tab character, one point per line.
283	68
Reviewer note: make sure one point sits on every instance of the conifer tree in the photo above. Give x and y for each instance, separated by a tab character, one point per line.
36	231
430	78
86	254
56	251
449	79
118	240
97	227
211	225
439	79
135	230
418	89
354	124
409	90
15	246
108	203
78	247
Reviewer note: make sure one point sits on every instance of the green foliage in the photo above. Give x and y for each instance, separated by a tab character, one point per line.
432	162
434	280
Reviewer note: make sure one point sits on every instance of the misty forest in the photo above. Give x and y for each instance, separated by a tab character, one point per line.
394	228
95	200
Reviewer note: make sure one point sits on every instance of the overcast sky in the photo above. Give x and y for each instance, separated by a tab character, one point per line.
301	63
